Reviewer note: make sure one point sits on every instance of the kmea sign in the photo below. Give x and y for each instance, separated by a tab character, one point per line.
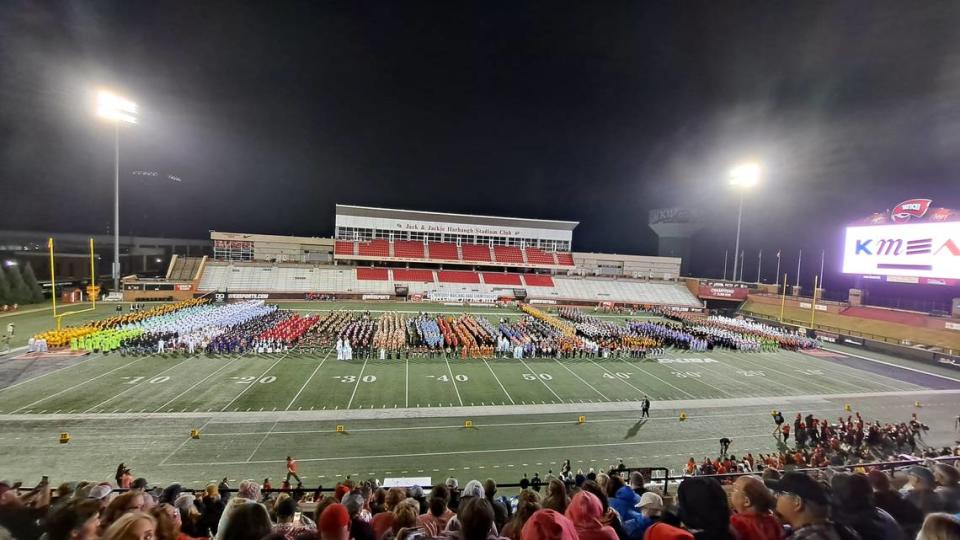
921	249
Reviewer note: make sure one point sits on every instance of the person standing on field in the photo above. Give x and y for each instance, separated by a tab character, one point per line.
292	470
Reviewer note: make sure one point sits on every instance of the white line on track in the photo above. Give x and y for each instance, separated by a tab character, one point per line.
259	444
453	379
307	381
185	441
254	382
681	390
196	384
500	383
359	379
78	385
564	366
135	386
537	375
92	357
892	365
487	451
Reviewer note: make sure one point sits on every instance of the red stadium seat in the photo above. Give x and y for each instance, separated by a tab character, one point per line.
538	280
408	249
406	274
565	259
496	278
376	274
343	248
508	254
375	248
475	252
538	256
455	276
443	250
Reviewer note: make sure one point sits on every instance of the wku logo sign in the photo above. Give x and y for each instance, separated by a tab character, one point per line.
909	209
897	246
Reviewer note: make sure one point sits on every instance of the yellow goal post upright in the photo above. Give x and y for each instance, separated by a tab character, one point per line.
53	286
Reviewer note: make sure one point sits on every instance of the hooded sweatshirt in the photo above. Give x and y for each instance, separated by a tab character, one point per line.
624	502
585	511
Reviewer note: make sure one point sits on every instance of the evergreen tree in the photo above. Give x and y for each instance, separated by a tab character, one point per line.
4	288
30	280
19	293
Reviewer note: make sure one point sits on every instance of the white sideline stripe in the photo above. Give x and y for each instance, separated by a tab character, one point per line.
359	379
498	382
488	410
64	368
915	370
196	384
460	452
253	382
78	385
453	379
308	381
135	386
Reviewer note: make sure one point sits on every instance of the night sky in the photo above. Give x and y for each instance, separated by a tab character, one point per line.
272	112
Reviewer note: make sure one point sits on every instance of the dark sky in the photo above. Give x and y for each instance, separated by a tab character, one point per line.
272	112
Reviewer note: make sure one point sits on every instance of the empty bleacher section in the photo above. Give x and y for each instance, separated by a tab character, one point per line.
185	268
374	248
344	248
565	259
494	278
537	280
379	274
476	252
423	276
456	276
445	251
508	254
264	278
408	249
538	256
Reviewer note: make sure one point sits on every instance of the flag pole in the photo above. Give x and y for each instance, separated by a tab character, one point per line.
740	279
823	254
759	264
813	305
799	258
726	252
778	268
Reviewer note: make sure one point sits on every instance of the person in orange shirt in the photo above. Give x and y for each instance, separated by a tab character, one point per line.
292	470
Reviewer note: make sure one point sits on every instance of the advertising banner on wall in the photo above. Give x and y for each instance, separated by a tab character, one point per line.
716	290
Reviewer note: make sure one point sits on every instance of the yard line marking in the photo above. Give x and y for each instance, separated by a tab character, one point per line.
737	382
462	452
512	402
539	379
581	379
359	378
406	392
308	380
681	390
767	367
78	385
856	373
185	441
196	384
138	385
453	380
92	357
259	444
252	383
833	377
624	381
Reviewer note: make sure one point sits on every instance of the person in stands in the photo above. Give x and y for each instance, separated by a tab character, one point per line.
753	504
549	524
907	515
248	521
528	504
77	520
802	503
854	507
921	493
586	511
132	526
940	526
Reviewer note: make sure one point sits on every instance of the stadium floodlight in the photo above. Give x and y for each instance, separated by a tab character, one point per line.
743	176
118	110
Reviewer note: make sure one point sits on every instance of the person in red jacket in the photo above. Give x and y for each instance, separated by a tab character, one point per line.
754	504
292	470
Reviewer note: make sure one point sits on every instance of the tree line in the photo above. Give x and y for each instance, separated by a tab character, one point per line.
18	285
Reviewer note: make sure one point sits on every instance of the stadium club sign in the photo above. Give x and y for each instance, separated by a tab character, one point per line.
722	291
440	227
914	243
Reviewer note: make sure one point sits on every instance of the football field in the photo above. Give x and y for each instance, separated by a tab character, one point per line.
405	417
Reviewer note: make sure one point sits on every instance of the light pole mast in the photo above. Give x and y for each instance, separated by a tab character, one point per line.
742	177
118	110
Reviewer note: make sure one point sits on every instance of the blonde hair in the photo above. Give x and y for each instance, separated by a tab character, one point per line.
939	526
213	491
122	529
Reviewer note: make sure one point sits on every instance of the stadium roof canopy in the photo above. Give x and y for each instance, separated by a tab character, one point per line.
460	219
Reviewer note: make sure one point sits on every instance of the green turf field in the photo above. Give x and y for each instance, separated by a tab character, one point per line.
405	417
